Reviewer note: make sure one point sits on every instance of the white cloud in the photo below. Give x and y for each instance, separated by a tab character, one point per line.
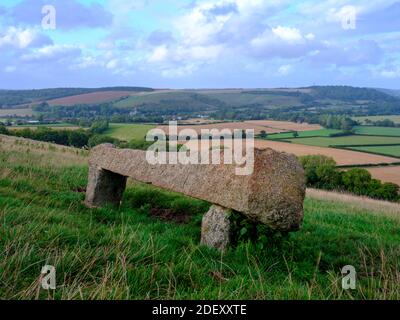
291	35
17	37
285	70
52	52
159	54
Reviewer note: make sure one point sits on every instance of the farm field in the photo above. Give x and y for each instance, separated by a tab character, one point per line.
129	253
346	140
88	98
377	131
384	150
286	125
128	132
387	174
9	113
226	125
305	134
394	118
342	157
154	97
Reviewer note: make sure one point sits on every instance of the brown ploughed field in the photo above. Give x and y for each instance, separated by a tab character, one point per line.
87	98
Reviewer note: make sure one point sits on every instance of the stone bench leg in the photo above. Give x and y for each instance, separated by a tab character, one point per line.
104	187
216	228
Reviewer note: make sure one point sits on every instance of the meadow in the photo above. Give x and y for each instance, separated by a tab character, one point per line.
128	132
128	253
377	131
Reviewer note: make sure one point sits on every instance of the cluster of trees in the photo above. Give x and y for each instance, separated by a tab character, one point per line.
75	138
339	122
322	172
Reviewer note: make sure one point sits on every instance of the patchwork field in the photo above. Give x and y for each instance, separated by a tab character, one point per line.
342	157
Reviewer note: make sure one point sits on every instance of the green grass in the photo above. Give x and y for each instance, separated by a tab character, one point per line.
384	150
378	131
304	134
126	254
394	118
346	140
128	132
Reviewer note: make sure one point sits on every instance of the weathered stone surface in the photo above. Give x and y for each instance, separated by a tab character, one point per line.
272	195
216	228
104	187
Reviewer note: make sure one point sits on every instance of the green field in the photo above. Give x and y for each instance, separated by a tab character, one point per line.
304	134
384	150
126	253
378	131
395	119
128	132
346	140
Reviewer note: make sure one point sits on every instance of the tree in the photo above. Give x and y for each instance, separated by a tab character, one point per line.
321	172
357	181
3	129
295	134
263	134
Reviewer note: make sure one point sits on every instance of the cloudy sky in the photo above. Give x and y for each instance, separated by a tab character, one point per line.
200	44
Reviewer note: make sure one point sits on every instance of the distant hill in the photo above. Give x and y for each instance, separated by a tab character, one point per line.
10	98
395	93
153	105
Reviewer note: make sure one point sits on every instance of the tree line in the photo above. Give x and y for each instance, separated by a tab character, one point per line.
322	173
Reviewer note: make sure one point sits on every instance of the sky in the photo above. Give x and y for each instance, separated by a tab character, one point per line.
199	43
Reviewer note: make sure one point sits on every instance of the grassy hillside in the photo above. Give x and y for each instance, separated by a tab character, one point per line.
128	253
17	97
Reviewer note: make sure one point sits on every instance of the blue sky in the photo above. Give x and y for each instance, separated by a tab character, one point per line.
200	44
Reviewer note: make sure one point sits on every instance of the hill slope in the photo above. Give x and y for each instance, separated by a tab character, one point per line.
130	254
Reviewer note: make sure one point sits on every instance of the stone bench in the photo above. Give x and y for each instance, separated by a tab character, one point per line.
272	195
